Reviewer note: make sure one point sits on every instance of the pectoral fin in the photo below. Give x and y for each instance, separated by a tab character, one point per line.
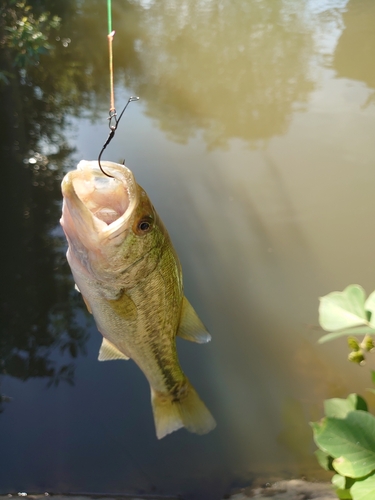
109	352
191	327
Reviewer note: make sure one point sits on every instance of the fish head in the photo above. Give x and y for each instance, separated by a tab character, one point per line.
109	222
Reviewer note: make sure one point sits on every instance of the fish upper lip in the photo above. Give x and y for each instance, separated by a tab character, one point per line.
90	197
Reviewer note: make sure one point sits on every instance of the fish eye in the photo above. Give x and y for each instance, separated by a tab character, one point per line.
144	225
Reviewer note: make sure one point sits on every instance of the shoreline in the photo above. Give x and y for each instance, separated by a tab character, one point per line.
293	489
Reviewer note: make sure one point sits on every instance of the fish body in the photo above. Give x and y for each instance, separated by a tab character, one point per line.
127	270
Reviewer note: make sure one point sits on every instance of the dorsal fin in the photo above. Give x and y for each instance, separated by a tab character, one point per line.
191	327
109	352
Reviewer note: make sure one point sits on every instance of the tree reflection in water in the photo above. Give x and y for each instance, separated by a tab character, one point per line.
224	88
48	71
356	42
225	67
38	305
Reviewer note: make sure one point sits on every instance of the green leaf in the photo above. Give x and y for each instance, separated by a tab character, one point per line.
342	485
373	376
358	402
343	494
351	441
317	426
339	310
359	330
324	459
339	408
370	306
339	481
364	489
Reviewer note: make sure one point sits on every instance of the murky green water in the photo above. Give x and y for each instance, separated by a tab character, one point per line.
254	138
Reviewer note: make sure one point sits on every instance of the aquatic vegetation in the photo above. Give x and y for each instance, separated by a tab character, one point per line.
346	435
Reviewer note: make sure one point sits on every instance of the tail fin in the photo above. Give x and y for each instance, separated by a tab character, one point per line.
190	412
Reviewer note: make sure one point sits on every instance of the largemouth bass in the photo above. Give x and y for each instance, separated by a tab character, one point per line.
129	275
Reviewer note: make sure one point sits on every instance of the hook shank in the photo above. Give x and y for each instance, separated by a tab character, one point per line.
113	128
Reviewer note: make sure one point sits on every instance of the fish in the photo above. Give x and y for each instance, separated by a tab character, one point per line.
124	264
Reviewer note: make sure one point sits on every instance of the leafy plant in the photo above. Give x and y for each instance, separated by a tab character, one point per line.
349	313
346	441
346	435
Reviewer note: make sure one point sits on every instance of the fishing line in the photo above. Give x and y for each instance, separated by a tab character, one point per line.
112	116
113	120
109	15
111	34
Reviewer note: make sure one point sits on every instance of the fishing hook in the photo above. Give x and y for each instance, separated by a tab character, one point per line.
113	118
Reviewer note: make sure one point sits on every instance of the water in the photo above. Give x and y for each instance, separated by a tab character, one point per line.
254	139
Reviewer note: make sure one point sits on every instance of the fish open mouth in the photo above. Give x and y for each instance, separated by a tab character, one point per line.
105	197
102	203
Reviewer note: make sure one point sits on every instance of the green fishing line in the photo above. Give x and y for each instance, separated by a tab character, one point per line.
109	10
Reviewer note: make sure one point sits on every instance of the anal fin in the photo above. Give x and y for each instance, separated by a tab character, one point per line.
108	352
191	327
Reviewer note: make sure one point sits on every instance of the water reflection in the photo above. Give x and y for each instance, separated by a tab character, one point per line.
261	223
37	305
201	73
356	43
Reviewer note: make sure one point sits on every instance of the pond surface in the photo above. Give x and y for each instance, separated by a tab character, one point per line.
254	138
